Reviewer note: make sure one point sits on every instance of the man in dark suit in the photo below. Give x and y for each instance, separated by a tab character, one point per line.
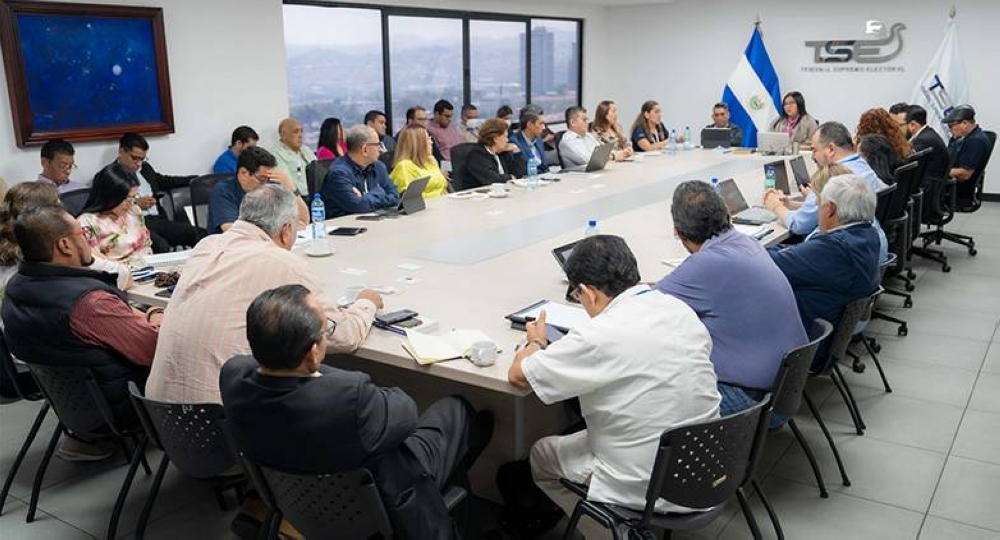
922	136
840	263
284	394
166	233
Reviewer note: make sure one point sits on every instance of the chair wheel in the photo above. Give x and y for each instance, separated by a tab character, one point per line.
911	274
973	252
910	287
877	347
946	269
858	367
907	303
903	331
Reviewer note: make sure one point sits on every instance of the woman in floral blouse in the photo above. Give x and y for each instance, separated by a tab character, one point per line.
112	222
607	129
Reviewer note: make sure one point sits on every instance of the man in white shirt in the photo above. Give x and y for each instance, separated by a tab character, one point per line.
578	143
639	366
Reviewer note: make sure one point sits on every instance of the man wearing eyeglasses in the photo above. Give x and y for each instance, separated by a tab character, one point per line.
166	233
206	323
57	164
358	183
254	168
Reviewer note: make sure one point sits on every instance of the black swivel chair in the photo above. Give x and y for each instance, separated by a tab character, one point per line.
867	342
316	173
83	410
75	200
459	160
201	191
897	226
839	343
948	202
28	391
699	466
191	437
557	141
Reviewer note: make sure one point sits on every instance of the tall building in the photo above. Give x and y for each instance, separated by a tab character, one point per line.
543	60
573	77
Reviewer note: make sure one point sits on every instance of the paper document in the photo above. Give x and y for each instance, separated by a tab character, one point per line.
427	349
173	258
748	230
559	315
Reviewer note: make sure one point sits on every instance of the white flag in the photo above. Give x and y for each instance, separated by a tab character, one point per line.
943	85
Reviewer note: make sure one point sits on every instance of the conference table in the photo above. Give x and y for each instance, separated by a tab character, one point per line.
482	258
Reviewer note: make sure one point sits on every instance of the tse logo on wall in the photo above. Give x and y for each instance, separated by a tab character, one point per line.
883	47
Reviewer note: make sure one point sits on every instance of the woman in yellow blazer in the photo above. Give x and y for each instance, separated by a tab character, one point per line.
414	159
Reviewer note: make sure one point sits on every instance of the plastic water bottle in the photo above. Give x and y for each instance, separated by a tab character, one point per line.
533	172
769	178
318	243
672	147
715	183
592	229
687	138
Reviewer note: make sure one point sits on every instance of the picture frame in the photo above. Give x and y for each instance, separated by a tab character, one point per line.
85	72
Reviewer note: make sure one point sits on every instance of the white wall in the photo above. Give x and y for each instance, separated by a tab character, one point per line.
227	67
681	54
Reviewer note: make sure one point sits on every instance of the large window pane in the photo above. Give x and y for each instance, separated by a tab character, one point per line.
555	66
425	63
334	59
497	65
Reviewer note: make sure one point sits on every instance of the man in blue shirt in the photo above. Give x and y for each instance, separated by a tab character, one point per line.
840	264
728	280
243	137
255	167
968	149
358	183
832	143
529	139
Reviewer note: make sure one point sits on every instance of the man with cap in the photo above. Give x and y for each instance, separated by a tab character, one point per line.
968	148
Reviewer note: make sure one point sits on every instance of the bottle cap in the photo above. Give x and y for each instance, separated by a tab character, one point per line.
591	222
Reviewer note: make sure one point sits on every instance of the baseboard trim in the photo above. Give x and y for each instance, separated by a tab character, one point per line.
991	197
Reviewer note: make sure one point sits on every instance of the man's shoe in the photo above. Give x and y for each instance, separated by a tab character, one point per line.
71	449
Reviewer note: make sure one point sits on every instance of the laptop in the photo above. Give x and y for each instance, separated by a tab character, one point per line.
411	201
713	137
800	172
773	143
780	175
598	159
738	208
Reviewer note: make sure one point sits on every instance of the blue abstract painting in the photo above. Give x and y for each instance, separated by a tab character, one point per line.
86	72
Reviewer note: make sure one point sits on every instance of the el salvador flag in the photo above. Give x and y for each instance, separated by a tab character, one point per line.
752	93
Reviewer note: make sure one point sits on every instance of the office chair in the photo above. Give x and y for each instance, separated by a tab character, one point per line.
74	200
201	190
316	173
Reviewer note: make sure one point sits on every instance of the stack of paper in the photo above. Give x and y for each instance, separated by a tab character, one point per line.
427	349
172	258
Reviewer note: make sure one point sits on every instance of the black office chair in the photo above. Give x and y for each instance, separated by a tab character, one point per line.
316	173
839	342
557	141
958	198
75	200
174	201
25	389
190	436
874	313
896	226
459	161
867	342
699	466
83	410
915	208
201	191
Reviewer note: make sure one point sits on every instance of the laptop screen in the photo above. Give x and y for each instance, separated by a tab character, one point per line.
780	175
730	193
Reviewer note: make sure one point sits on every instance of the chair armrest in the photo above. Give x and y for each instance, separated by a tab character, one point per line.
454	496
579	490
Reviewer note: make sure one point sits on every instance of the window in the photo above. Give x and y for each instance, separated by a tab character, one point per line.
497	65
555	66
425	63
344	60
332	72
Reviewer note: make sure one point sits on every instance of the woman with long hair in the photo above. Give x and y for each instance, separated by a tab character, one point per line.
112	222
879	121
648	132
332	141
414	158
607	129
18	199
794	121
881	155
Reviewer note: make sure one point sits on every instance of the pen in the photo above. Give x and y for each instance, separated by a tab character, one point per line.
763	234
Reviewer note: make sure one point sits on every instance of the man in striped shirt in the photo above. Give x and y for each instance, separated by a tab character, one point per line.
205	323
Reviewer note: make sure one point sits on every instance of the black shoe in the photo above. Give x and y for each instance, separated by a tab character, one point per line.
480	435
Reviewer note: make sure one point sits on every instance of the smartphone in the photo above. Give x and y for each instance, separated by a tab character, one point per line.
348	231
166	293
369	218
396	316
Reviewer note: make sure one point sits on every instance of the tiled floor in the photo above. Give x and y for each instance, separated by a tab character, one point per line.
928	467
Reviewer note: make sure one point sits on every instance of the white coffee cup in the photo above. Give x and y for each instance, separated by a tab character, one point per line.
498	189
484	353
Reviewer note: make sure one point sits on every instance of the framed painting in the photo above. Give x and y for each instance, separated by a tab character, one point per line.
85	72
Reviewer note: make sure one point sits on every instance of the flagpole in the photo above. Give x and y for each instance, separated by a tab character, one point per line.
952	13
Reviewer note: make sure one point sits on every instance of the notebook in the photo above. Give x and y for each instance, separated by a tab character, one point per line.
428	349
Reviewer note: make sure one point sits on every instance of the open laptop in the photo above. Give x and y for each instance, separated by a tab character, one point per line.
780	175
799	171
598	159
411	201
738	208
773	143
713	137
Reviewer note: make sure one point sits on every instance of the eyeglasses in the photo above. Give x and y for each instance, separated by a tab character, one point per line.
65	166
573	293
137	159
331	327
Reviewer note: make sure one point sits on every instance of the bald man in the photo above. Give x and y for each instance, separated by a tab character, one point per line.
292	156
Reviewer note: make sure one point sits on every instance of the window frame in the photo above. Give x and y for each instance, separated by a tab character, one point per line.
385	11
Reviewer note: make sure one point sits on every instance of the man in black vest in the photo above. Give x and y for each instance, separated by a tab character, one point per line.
59	313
